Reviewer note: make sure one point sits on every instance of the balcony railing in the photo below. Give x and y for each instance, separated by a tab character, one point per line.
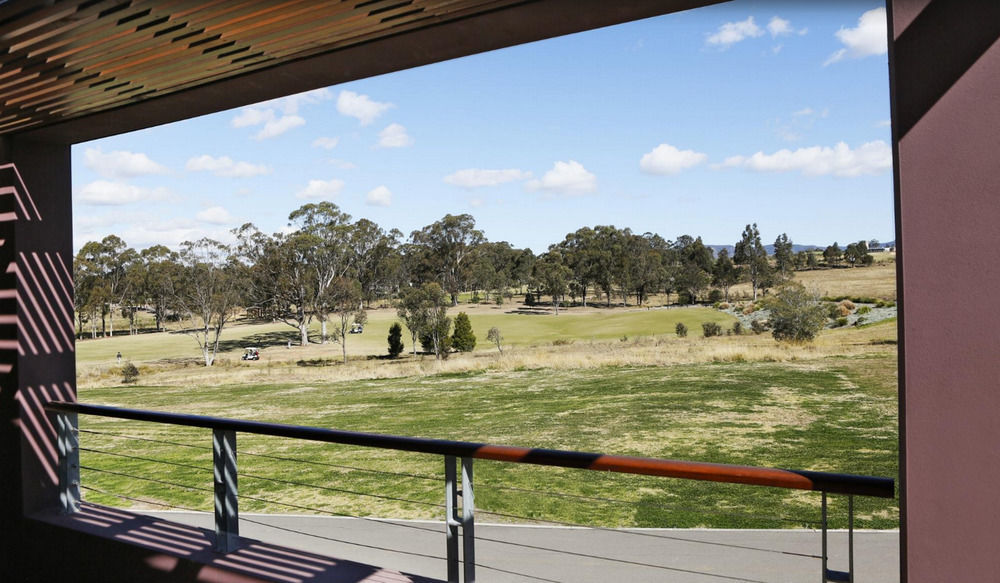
458	457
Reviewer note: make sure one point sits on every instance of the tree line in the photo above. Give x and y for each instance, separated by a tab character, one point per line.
328	267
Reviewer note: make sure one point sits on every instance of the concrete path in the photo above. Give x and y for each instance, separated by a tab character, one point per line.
528	553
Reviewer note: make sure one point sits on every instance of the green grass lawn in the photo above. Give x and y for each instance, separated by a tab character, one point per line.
832	414
519	330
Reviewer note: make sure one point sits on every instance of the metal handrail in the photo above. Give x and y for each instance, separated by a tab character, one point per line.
759	476
456	453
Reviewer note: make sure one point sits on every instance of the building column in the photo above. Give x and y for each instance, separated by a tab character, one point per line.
945	78
37	352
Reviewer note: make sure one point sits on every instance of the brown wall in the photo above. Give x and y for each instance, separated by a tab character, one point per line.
945	66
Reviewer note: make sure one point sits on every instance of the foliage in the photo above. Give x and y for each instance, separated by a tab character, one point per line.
130	373
796	314
751	255
681	330
759	326
342	297
463	339
709	329
424	310
737	328
395	339
715	296
496	337
832	255
784	261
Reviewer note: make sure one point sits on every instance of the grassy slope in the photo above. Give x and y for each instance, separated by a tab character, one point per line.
834	414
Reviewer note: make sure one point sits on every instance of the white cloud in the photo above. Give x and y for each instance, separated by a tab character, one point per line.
360	107
215	215
103	192
803	111
731	33
869	37
326	143
266	113
884	123
276	127
476	177
379	196
568	178
120	163
666	159
778	26
394	136
324	189
251	116
225	166
840	160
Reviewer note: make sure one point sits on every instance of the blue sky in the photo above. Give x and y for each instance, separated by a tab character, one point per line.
693	123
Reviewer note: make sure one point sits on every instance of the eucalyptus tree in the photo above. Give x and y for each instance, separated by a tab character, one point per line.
108	261
343	297
324	241
694	273
450	244
424	310
368	247
784	260
752	257
160	276
208	291
724	273
552	276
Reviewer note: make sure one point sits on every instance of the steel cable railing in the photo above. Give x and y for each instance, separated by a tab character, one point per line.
226	478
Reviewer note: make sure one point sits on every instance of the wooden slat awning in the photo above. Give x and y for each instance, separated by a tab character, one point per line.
77	70
76	57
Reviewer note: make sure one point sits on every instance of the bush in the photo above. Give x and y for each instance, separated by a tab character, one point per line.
715	296
737	328
859	321
759	326
684	297
709	329
796	314
130	373
724	306
462	339
562	342
529	299
864	310
840	322
847	304
495	337
681	329
749	310
395	339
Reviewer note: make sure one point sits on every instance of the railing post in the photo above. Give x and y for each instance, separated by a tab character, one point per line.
468	522
227	525
829	574
69	462
451	521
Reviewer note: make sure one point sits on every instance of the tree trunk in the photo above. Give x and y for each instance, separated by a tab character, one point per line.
322	326
413	342
111	323
343	346
303	334
209	359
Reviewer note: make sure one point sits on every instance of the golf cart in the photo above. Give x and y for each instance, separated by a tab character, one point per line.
357	329
251	354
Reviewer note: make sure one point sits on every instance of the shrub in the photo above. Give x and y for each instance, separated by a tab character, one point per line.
498	299
562	342
737	328
796	314
475	298
724	305
462	339
840	322
130	373
859	321
847	304
864	310
758	326
709	329
529	299
684	297
715	296
395	339
681	329
749	310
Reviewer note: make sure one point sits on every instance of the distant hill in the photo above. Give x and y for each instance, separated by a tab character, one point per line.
768	248
795	248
